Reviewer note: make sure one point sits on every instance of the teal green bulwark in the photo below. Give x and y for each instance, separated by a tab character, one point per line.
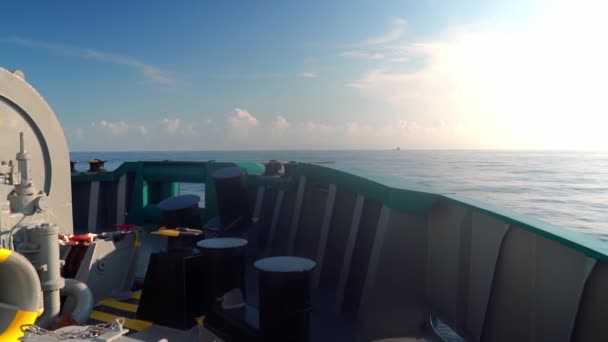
153	181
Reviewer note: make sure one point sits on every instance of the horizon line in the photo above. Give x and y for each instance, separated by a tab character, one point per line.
354	150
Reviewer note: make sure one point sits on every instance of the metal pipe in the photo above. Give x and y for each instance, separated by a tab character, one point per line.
52	307
23	160
41	247
80	300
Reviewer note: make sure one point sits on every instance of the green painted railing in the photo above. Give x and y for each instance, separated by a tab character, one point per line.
154	181
393	192
401	194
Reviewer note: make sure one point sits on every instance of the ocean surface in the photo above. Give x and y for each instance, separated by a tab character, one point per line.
569	189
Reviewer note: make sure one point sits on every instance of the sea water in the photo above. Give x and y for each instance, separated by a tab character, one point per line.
569	189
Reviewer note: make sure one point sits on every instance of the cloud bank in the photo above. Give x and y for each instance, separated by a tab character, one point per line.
244	130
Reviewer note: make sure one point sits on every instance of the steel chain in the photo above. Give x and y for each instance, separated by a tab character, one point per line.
86	332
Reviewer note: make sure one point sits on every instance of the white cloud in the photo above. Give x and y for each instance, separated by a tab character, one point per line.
175	126
357	134
242	118
119	127
358	54
408	126
244	128
245	132
309	74
382	48
152	73
399	26
280	124
172	125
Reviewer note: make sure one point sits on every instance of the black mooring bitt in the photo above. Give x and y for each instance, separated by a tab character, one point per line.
284	307
96	165
232	197
171	294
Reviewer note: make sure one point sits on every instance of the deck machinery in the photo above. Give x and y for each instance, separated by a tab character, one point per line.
35	210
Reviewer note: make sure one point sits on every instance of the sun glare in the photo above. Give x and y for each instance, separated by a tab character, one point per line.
542	86
549	79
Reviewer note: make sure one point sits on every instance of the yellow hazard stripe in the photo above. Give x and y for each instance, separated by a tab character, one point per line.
133	324
136	295
4	254
118	305
13	331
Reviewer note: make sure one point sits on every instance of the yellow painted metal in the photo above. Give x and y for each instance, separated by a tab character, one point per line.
168	232
4	254
13	331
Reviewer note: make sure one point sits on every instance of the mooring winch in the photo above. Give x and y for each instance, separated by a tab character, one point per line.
35	206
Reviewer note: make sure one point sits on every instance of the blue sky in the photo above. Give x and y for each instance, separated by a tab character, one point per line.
145	75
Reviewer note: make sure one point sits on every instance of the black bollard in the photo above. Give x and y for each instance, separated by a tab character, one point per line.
272	168
96	165
182	212
223	267
232	199
284	287
290	169
171	293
